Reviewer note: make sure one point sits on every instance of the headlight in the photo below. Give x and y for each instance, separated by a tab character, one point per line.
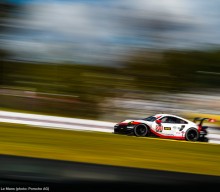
130	126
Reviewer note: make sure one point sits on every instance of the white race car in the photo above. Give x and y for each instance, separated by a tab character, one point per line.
165	126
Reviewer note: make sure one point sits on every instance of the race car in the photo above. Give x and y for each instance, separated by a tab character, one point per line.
166	126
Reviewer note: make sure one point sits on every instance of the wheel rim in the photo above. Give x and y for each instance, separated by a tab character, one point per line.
140	130
192	135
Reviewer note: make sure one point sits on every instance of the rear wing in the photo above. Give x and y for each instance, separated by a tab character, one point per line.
201	120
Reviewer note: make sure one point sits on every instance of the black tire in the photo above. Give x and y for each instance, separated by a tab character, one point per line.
192	134
141	130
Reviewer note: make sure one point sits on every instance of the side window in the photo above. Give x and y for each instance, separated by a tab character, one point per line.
172	120
168	119
164	120
180	121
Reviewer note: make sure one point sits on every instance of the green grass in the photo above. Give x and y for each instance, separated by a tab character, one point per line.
110	149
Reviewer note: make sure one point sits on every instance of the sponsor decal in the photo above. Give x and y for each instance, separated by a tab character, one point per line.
167	128
183	133
159	128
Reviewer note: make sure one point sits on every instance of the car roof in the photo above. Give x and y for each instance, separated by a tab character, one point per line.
166	114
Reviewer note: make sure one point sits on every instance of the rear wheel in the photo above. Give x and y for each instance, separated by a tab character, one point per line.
192	134
141	130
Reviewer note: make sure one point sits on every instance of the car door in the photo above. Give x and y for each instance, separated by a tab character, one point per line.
167	124
173	125
170	126
163	127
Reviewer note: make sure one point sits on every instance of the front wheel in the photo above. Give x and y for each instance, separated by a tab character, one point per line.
192	134
141	130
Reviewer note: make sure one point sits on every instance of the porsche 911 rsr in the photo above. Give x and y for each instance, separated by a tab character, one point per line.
165	126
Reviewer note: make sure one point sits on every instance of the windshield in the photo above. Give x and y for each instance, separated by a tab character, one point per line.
151	118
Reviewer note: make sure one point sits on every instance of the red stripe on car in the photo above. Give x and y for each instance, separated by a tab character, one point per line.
199	128
135	122
123	123
167	136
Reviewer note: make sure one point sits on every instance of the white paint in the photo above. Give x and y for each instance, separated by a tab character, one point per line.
55	118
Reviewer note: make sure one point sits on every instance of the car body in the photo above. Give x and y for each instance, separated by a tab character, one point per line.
165	126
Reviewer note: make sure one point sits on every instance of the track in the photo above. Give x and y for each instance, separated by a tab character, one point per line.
63	176
55	122
33	174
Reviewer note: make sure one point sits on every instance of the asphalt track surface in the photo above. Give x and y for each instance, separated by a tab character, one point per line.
34	174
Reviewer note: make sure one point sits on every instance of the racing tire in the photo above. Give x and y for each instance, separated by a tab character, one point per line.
192	134
141	130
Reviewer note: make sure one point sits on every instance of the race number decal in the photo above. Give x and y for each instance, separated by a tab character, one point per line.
159	128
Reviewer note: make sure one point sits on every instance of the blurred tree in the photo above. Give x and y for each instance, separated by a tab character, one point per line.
148	70
174	71
6	10
3	55
193	70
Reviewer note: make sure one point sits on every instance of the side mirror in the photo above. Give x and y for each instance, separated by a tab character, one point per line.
158	121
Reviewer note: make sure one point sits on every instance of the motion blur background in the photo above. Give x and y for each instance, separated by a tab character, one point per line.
110	60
